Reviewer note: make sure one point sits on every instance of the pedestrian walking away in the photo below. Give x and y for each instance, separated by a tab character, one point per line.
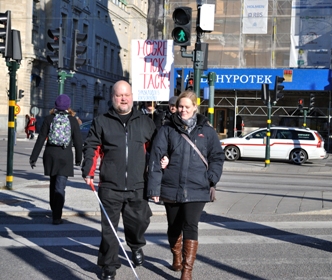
189	180
27	120
120	138
31	127
58	158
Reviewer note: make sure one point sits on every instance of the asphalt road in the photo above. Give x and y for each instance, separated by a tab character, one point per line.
270	223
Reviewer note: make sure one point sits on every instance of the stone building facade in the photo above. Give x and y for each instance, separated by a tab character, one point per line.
110	26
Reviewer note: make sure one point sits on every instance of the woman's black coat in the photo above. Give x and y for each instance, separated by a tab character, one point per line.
58	160
186	178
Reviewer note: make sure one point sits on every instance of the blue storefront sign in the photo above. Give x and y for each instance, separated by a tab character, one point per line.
252	79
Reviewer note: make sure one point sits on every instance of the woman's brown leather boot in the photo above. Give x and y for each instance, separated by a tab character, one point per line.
189	256
176	248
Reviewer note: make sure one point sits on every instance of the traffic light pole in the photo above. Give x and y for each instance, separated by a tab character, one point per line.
266	98
62	78
305	112
268	134
198	59
197	85
13	66
211	79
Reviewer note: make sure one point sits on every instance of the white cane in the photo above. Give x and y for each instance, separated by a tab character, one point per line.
113	229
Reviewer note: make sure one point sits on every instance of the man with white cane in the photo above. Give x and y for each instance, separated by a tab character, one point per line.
120	138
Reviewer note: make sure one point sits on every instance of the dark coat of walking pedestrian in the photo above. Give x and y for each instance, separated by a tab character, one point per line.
171	109
58	160
150	109
120	138
188	181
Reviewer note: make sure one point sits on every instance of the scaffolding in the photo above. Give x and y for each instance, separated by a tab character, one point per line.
228	46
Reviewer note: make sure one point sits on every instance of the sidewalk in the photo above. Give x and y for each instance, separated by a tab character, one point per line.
30	193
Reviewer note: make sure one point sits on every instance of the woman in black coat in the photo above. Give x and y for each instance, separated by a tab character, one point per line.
189	180
58	158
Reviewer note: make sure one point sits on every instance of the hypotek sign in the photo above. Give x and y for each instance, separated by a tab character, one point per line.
252	79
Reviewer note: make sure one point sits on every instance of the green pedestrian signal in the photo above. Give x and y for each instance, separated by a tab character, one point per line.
181	33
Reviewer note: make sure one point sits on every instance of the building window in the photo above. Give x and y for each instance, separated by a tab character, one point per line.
73	96
105	59
112	61
84	99
104	91
85	29
75	24
97	93
97	51
118	64
64	24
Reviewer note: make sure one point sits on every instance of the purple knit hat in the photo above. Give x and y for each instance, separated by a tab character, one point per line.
62	102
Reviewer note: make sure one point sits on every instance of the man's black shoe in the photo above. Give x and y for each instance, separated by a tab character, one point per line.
107	274
138	257
57	221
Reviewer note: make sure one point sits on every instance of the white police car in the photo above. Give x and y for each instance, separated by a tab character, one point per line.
286	143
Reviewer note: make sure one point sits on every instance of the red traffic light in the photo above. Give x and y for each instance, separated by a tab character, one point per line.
301	103
190	84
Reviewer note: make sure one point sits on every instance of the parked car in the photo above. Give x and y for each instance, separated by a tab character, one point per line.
286	143
85	127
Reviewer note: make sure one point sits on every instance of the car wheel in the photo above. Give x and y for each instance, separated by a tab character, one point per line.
298	156
232	153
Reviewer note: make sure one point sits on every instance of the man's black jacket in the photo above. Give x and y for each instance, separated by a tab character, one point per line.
121	148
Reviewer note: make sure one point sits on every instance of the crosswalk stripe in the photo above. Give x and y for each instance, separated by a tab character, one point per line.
162	227
157	240
12	236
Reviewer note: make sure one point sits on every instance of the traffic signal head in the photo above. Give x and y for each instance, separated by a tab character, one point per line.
20	94
190	82
6	44
17	50
56	47
301	103
179	81
77	50
278	88
181	33
265	93
311	102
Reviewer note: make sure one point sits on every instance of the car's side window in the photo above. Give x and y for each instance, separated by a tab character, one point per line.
284	134
259	134
301	135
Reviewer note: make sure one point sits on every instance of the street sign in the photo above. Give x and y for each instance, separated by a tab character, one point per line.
17	109
34	110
